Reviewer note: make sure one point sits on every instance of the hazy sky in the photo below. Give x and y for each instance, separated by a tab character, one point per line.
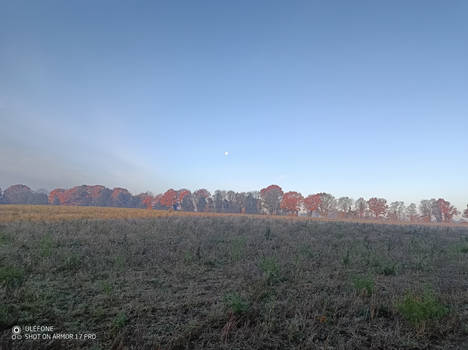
349	97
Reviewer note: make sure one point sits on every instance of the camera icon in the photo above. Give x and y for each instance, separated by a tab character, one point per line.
16	330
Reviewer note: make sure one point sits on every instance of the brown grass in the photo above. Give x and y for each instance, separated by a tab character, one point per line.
49	213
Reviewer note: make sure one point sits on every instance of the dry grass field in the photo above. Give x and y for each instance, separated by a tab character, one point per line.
142	279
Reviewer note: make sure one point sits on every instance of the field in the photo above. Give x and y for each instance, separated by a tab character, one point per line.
143	279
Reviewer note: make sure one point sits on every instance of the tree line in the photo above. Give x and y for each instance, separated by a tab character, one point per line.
270	200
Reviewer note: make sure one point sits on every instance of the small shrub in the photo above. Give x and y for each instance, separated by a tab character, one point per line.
235	303
11	276
46	246
417	309
364	285
271	269
119	321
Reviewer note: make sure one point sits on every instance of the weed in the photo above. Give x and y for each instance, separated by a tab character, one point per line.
119	262
364	285
417	309
11	276
235	303
46	245
385	267
271	269
105	287
72	262
119	321
188	257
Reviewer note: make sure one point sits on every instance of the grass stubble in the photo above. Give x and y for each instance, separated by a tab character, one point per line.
233	282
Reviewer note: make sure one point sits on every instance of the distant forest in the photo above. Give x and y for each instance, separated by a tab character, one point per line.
270	200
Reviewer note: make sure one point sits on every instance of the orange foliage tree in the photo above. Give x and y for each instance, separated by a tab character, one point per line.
312	202
291	202
169	198
446	210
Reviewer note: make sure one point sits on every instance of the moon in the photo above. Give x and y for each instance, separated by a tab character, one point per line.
226	153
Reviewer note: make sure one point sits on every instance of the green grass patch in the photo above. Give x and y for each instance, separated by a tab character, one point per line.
418	309
363	284
236	304
271	269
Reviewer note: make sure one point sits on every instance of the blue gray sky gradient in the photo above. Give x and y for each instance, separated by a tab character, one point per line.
357	98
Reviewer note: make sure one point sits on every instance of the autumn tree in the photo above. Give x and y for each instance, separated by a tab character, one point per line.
271	198
426	207
412	212
396	211
312	202
156	204
121	198
169	199
344	205
186	200
327	204
378	206
22	194
445	211
145	200
100	196
465	212
360	206
291	202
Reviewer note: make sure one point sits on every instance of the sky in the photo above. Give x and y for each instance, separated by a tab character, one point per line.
355	98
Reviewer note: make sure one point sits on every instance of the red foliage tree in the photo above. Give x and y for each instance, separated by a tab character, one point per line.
378	206
57	196
169	198
146	200
447	211
271	197
181	194
291	202
312	202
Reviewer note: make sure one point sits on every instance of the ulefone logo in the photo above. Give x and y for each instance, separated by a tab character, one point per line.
16	330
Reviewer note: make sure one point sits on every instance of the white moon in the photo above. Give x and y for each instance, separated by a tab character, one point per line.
226	153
